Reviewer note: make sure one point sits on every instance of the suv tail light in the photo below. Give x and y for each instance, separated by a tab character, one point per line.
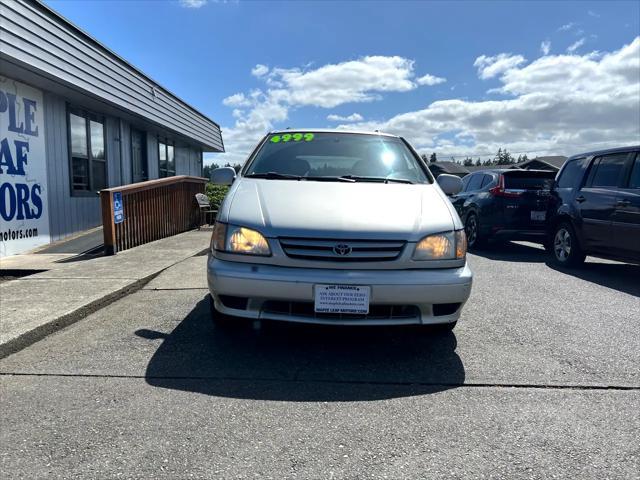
500	191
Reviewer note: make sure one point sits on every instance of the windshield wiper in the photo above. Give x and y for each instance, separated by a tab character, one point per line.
287	176
343	178
328	179
274	176
358	178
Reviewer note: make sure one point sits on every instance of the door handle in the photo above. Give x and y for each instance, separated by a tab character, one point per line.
580	199
624	203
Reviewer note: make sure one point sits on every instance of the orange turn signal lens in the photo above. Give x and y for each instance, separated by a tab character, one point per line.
461	244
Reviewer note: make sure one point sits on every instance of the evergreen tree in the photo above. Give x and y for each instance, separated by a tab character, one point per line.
468	162
478	162
507	158
433	158
498	158
236	166
503	157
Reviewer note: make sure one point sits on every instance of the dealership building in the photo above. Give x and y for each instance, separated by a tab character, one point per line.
76	118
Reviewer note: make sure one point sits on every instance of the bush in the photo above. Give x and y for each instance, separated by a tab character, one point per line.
216	194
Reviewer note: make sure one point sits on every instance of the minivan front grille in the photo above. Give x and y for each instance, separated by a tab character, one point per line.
306	309
341	250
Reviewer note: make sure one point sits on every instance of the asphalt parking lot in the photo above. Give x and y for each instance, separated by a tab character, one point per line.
540	379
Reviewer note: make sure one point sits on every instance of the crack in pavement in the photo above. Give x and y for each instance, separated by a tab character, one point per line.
337	382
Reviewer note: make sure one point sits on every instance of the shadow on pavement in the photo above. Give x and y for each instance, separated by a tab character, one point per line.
511	252
291	362
619	276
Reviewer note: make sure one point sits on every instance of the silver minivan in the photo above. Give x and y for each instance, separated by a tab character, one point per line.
338	227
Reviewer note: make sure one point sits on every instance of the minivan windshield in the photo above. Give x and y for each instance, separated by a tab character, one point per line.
332	156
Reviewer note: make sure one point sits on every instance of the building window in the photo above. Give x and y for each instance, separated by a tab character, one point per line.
139	156
88	160
167	159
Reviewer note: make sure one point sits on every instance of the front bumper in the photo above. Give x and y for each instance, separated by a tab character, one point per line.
433	295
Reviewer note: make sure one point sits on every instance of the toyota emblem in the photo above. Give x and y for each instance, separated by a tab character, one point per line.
342	249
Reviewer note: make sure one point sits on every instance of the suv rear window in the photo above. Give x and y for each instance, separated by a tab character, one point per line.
606	170
572	173
523	181
634	181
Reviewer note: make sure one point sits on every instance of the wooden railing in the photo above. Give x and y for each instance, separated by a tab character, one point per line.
152	210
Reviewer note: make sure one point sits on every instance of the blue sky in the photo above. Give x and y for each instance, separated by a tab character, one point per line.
458	78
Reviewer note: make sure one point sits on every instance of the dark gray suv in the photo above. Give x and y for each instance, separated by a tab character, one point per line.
595	207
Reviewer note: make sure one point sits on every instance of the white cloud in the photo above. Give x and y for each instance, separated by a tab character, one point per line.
566	27
193	3
560	104
545	47
259	70
354	81
575	45
236	100
557	104
489	67
354	117
593	14
430	80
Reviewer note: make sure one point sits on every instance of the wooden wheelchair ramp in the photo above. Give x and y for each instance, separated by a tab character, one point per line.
143	212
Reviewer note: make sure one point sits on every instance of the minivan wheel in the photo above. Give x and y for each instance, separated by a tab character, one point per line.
565	249
472	229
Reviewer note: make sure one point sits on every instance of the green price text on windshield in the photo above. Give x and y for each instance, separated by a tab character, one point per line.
296	137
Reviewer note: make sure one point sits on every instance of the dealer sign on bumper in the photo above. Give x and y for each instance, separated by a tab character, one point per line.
342	299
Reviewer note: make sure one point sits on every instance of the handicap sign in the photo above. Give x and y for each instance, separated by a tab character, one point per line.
118	208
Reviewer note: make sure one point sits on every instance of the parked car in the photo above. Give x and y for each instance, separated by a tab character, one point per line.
504	204
338	227
595	207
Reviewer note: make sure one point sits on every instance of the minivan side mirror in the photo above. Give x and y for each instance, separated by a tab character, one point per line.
450	184
223	176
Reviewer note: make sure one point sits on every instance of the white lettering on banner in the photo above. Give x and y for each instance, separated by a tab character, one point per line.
24	209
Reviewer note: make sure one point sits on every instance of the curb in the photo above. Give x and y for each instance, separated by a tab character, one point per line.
29	338
38	333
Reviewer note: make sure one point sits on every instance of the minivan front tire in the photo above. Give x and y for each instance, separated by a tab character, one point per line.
565	249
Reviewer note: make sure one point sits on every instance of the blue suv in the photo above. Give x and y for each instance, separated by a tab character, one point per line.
595	207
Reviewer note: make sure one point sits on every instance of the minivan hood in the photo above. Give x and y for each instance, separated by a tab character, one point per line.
286	208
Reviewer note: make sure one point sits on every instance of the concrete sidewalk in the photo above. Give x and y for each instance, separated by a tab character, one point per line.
36	305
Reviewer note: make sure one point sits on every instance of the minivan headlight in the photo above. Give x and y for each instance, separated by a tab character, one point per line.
234	239
442	246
